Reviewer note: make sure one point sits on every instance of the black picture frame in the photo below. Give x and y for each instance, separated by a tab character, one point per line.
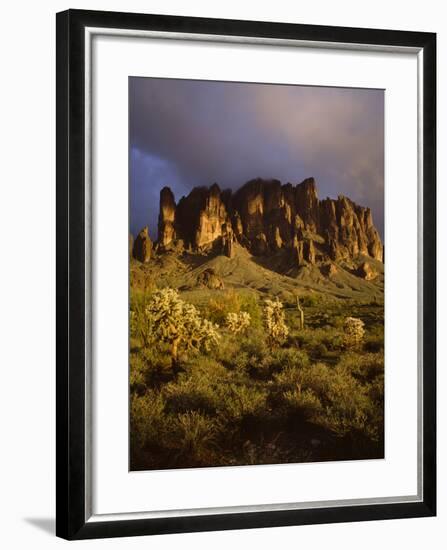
71	517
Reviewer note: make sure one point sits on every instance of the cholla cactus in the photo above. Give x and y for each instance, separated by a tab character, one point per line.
353	331
238	322
174	321
274	320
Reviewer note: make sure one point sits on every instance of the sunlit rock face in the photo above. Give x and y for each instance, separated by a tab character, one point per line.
166	218
212	218
265	217
349	229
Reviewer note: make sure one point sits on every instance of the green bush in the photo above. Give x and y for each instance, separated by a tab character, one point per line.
311	300
239	401
241	353
149	368
363	366
232	301
320	349
303	403
374	339
335	399
197	388
195	434
148	422
283	359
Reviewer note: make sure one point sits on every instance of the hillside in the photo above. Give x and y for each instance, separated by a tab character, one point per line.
263	275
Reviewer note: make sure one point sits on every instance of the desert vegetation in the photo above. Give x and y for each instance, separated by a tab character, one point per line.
234	377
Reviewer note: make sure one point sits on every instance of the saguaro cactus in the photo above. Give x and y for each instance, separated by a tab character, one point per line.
300	309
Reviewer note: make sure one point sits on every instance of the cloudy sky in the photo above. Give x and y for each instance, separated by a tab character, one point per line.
185	133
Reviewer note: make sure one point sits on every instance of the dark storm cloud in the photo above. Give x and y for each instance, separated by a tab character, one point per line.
186	133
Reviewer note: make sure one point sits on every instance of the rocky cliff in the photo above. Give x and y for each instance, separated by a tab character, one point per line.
264	217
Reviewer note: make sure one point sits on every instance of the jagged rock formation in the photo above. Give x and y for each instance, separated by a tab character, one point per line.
166	218
142	247
265	217
366	271
329	269
202	220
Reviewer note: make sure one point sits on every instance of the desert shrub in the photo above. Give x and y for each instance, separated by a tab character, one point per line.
238	401
374	339
318	378
219	307
311	300
238	322
332	398
283	359
376	392
349	407
255	346
252	356
346	403
364	367
313	340
150	367
178	323
242	354
140	329
304	403
189	395
148	419
137	374
231	301
194	434
241	362
335	342
338	321
320	349
274	320
353	331
196	389
249	304
287	379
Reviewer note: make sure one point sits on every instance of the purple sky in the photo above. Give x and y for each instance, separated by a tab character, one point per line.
185	133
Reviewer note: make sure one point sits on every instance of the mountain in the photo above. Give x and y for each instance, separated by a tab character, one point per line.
265	216
265	237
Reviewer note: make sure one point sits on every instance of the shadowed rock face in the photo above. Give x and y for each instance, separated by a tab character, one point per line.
201	217
265	216
142	247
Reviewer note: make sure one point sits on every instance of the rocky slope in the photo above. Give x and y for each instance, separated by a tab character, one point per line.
265	217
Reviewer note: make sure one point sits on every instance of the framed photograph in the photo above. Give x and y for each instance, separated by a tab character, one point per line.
246	273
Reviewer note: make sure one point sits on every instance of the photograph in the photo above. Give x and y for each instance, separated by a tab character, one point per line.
256	273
